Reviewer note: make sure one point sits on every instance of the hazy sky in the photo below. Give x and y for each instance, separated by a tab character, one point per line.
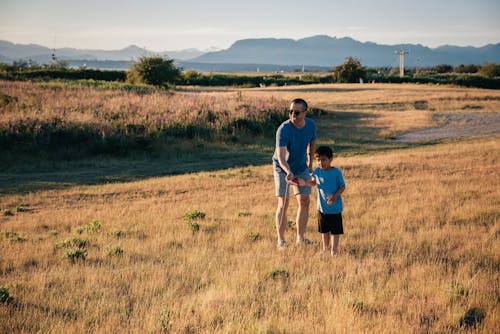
161	25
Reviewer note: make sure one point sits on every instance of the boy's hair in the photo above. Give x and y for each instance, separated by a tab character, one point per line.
324	151
300	101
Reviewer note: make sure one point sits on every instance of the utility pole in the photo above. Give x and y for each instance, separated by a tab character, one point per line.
402	53
54	58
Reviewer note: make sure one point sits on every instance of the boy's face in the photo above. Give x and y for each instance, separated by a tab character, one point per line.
324	162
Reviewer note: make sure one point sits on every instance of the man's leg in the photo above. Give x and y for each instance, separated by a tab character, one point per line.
281	217
302	215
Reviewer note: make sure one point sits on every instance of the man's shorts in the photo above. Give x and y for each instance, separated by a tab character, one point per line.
281	185
330	223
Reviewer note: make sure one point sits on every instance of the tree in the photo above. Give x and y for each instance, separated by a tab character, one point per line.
443	68
153	70
469	68
490	70
350	71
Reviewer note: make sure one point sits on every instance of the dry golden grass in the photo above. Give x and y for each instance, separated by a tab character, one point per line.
421	245
420	250
391	108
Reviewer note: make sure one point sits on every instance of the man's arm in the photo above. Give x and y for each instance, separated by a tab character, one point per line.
282	152
310	154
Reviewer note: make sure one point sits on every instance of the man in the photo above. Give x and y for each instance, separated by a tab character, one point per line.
295	144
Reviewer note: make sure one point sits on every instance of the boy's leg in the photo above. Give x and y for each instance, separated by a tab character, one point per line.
326	241
335	244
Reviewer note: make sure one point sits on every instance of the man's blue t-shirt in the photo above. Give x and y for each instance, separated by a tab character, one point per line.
296	141
328	183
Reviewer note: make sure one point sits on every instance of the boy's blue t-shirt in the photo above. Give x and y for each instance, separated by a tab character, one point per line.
296	141
328	183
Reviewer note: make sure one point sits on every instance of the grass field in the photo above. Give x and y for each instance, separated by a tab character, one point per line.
197	252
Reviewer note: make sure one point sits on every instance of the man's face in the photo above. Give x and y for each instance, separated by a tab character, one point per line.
297	112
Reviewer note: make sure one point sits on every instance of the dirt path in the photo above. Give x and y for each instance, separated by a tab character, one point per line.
456	125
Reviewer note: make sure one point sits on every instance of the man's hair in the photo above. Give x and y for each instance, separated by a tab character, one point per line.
324	151
300	101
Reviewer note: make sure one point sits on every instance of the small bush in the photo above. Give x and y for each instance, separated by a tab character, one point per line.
165	319
5	296
254	236
21	208
118	234
7	212
75	254
244	214
195	214
75	242
193	226
93	227
114	250
457	289
13	237
278	273
190	219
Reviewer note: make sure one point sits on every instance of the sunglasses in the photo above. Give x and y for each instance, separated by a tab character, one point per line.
295	112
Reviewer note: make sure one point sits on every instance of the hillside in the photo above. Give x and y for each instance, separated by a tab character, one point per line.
249	54
329	51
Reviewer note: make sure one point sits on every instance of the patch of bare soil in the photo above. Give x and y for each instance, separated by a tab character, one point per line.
456	125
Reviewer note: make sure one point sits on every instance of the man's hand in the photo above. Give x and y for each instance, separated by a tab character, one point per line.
301	182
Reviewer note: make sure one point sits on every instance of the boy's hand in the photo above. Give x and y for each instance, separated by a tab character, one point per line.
330	199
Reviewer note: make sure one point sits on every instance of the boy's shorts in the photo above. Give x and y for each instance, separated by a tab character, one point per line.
280	183
330	223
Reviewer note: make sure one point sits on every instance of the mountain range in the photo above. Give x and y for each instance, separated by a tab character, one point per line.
10	52
315	51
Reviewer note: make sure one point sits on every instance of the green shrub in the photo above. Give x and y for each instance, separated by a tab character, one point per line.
74	242
244	214
75	254
165	321
13	237
190	218
114	250
195	214
7	212
5	296
279	273
254	236
92	227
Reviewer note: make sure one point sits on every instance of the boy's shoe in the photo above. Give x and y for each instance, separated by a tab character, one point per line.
281	244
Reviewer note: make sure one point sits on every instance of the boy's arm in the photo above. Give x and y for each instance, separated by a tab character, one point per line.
332	198
303	182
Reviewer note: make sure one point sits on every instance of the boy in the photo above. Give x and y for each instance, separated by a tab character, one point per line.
331	185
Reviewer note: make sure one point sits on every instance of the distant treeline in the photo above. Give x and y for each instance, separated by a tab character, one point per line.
487	76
